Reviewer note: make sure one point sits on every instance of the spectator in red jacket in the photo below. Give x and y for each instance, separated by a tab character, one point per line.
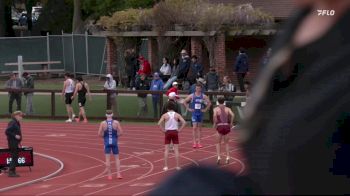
145	66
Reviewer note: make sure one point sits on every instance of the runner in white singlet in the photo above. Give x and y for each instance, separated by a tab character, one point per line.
169	124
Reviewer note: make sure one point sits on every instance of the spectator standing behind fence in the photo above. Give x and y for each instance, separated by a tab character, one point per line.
14	86
156	85
212	79
174	73
227	86
111	85
196	69
175	67
165	70
182	70
241	67
28	85
142	84
184	66
130	67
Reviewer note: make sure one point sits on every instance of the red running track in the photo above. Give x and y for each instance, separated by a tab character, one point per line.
79	148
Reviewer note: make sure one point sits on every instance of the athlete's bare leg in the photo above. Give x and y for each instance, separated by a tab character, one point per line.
82	113
199	132
117	165
108	166
69	111
176	149
166	154
194	134
226	141
218	147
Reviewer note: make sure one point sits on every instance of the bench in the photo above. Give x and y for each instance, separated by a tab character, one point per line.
45	71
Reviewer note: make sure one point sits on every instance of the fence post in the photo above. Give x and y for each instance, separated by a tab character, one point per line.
87	52
53	105
73	54
48	49
20	66
63	52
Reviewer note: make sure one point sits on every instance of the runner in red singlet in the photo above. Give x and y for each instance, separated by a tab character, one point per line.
223	121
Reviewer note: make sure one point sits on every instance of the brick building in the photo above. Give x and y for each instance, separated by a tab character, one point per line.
256	41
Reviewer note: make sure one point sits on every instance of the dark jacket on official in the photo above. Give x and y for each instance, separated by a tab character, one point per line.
142	85
13	129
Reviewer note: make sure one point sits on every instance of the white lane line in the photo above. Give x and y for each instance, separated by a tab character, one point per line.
38	179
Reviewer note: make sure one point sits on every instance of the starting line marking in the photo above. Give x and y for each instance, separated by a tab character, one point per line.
56	135
130	166
93	185
143	153
142	184
45	186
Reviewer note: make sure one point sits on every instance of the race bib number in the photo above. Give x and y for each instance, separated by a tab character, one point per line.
197	106
110	140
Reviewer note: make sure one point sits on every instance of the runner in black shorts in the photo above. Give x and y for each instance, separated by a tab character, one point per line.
67	92
81	89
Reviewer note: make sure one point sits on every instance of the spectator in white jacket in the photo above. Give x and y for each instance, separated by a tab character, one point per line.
165	70
111	85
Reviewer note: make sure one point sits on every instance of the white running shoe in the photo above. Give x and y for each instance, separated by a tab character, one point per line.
69	120
165	168
73	116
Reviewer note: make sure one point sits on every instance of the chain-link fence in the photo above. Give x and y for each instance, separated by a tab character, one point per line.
80	54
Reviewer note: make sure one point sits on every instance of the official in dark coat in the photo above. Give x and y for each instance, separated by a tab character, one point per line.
14	138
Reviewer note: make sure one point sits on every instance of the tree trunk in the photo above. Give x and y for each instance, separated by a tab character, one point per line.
78	24
2	18
29	7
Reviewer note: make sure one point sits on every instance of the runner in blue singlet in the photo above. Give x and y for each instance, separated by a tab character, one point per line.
198	100
110	130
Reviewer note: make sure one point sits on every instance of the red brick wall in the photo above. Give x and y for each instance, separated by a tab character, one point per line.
111	56
220	55
196	47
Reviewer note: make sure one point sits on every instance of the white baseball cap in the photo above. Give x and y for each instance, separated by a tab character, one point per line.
175	83
173	94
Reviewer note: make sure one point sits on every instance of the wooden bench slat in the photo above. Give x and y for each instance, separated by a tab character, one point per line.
35	63
37	71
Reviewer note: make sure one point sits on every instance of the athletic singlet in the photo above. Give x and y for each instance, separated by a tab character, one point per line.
70	86
82	91
223	118
110	135
172	123
197	103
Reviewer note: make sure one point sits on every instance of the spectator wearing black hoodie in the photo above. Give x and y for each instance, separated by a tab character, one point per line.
241	67
196	69
142	84
184	66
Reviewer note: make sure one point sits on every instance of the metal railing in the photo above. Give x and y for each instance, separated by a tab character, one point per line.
53	114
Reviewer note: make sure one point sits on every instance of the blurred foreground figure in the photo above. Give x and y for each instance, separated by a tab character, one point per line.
296	135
